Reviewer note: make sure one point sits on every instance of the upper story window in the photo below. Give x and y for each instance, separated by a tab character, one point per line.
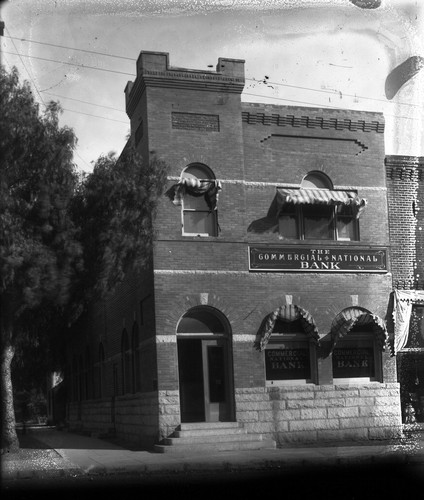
197	193
317	212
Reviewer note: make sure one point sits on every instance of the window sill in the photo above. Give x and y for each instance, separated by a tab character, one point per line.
354	380
282	383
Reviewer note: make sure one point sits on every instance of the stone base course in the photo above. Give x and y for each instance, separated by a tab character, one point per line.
303	414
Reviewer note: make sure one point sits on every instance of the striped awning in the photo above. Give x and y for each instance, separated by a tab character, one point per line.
208	187
321	197
289	313
356	316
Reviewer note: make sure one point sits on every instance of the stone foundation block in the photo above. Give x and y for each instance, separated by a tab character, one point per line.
307	403
316	424
309	413
394	432
353	423
343	412
343	434
296	437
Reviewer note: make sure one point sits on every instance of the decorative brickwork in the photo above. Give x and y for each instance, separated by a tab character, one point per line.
312	122
195	121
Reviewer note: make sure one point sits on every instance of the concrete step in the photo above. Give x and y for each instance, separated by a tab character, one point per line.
208	425
204	448
222	438
210	432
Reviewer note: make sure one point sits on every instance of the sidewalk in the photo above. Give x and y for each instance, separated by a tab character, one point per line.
50	453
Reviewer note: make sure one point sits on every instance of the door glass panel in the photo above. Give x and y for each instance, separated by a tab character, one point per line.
216	374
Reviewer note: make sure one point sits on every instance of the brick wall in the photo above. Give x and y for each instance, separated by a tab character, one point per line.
406	201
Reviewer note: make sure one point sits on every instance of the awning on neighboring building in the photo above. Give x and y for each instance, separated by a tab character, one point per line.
321	197
355	316
289	313
403	302
197	187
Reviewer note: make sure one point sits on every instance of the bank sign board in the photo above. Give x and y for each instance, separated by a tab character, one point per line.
322	259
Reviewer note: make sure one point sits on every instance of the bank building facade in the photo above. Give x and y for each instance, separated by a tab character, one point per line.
268	313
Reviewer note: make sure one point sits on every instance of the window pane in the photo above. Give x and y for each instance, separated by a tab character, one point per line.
346	228
287	364
200	223
317	222
195	202
351	362
288	226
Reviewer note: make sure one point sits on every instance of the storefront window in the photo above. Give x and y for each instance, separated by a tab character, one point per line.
289	355
357	356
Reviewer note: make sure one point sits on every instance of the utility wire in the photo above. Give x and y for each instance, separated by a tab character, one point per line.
69	63
332	92
244	93
84	102
26	69
71	48
36	88
249	79
95	116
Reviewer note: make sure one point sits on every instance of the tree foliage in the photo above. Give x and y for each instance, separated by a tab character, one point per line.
39	251
66	239
113	209
38	247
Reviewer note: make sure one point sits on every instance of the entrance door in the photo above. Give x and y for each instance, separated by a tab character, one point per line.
204	380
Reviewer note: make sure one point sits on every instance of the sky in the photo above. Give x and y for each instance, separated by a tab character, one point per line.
320	53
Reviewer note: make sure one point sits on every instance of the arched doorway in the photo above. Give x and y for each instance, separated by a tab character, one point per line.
204	366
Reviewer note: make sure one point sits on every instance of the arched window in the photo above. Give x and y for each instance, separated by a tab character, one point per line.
88	375
101	368
317	212
81	386
316	180
75	391
135	359
289	337
126	363
197	192
358	338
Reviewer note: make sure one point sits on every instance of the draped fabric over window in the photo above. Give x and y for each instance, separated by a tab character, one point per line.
320	197
356	317
196	187
288	313
403	302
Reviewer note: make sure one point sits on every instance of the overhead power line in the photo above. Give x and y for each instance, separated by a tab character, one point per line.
95	116
70	64
71	48
332	92
80	100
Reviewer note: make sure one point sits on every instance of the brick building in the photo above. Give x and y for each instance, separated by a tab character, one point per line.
406	222
266	303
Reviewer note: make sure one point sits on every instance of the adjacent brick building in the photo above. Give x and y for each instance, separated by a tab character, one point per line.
267	299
